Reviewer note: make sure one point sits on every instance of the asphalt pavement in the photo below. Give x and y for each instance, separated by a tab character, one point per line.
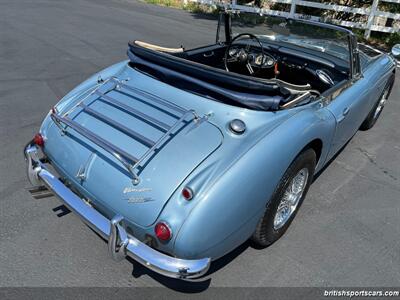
347	232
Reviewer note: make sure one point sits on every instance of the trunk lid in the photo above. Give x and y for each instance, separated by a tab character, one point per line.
120	124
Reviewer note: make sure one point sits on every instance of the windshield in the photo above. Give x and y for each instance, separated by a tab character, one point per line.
272	29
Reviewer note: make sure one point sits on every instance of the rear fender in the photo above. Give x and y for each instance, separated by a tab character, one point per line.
228	213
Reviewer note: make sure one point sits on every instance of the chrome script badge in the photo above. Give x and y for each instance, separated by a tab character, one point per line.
130	189
139	199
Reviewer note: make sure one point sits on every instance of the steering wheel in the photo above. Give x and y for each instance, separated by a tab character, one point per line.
243	55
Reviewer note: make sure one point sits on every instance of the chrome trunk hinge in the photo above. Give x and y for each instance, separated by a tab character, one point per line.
84	168
81	175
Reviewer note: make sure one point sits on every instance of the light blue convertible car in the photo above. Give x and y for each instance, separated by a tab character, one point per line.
178	156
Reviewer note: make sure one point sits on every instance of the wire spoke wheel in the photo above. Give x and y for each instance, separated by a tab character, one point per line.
286	200
291	198
381	104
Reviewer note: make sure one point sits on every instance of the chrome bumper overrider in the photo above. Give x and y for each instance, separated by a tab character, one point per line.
120	243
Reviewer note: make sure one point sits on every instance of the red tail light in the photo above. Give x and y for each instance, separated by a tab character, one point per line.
38	140
163	232
187	193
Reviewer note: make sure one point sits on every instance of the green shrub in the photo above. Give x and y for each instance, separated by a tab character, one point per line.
393	39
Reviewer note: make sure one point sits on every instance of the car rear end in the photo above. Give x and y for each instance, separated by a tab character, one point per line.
115	155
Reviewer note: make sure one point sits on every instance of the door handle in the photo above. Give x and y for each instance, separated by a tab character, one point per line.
344	114
209	54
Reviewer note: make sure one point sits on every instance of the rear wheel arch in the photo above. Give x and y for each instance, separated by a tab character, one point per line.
376	110
266	231
316	145
311	149
392	79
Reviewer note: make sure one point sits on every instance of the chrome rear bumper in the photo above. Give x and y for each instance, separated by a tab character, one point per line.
120	243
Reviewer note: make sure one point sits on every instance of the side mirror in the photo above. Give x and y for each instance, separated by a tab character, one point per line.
396	50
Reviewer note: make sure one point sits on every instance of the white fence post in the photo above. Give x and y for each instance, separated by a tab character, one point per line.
368	26
371	18
292	8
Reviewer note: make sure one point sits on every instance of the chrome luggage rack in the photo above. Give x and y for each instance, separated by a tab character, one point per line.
130	162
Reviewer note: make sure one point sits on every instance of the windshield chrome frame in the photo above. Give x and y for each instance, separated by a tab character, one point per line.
225	16
224	19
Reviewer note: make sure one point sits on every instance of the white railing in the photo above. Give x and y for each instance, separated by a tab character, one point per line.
371	12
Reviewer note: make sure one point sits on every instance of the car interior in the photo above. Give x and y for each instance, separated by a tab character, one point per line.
283	63
244	71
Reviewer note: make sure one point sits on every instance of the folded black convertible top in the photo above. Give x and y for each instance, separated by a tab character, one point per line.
207	81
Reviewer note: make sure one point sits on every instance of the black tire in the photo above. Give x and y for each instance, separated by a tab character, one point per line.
374	114
265	233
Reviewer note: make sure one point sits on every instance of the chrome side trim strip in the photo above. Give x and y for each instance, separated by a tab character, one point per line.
120	243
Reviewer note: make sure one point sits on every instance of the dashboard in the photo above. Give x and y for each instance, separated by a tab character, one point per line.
286	64
255	57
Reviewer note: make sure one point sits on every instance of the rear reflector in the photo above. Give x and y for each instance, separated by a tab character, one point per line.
163	232
187	193
38	140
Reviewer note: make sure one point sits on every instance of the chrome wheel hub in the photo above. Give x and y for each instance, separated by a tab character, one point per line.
291	198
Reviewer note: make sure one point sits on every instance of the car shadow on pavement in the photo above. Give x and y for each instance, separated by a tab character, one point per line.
189	286
185	286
